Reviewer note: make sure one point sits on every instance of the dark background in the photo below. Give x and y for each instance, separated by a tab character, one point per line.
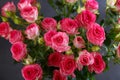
11	71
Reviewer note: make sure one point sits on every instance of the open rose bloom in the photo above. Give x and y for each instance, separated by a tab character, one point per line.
73	44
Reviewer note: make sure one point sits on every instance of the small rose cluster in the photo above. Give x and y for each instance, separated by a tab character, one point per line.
67	64
57	36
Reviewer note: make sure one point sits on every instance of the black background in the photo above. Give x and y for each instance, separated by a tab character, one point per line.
11	71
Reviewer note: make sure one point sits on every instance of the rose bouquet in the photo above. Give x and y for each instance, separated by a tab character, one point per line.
68	46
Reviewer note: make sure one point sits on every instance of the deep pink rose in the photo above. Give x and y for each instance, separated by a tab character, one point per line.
68	65
118	51
15	36
23	3
49	24
9	6
54	59
118	5
79	42
85	58
19	51
99	65
58	76
60	42
85	19
32	72
48	36
69	25
91	5
29	13
96	34
4	29
32	31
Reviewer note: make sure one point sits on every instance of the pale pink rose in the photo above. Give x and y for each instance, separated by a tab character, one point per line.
118	5
15	36
54	59
68	65
5	29
79	42
91	5
48	36
60	42
19	51
29	13
99	65
85	58
32	31
23	3
85	19
9	6
32	72
71	1
69	25
49	24
57	75
118	51
96	34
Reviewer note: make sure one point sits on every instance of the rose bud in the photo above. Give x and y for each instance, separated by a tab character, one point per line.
32	31
78	42
71	1
9	6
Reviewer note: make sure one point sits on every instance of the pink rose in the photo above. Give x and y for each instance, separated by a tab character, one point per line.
23	3
54	59
48	36
71	1
96	34
60	42
15	36
68	65
68	25
4	29
118	51
9	6
49	24
29	13
118	5
78	42
19	51
32	72
32	31
85	19
99	65
85	58
91	5
57	75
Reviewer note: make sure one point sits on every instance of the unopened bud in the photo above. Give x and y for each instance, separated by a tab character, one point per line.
69	52
95	48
